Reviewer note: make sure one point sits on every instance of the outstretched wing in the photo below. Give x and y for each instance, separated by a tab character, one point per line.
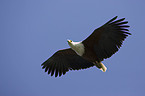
107	39
63	61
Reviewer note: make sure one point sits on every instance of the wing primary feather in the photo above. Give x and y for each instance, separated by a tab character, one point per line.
125	29
64	65
44	64
49	71
123	26
111	20
115	22
56	71
53	69
61	68
46	69
64	70
125	22
47	65
58	67
127	33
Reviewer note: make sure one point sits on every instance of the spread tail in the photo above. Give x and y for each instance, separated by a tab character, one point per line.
101	66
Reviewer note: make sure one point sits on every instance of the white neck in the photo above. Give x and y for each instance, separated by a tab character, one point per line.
78	47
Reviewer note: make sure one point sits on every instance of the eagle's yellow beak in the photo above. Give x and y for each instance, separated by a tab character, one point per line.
69	41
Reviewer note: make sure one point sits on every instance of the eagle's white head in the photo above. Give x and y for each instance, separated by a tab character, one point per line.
78	47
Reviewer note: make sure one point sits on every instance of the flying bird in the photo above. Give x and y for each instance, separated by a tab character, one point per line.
101	44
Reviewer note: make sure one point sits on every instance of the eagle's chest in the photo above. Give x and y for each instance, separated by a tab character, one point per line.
78	47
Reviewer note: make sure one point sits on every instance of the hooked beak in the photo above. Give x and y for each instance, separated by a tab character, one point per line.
69	41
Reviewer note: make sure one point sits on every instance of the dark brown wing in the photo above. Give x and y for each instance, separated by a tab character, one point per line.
107	39
63	61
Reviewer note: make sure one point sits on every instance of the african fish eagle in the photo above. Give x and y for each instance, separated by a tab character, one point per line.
101	44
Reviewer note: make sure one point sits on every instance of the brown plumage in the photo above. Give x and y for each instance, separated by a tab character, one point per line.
101	44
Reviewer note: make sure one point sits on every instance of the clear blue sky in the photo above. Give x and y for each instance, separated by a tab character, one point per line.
32	30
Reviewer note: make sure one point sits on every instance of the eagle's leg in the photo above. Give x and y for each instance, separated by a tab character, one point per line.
101	66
